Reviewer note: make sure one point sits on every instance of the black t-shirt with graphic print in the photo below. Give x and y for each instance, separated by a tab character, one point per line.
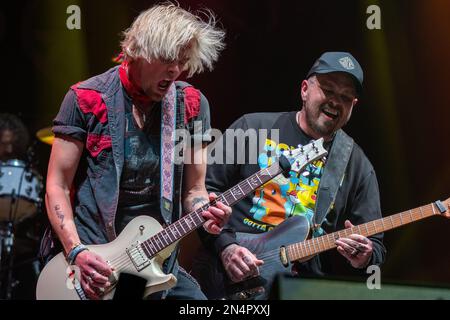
281	197
262	210
140	181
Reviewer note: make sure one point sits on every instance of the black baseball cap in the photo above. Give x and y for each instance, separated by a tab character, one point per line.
339	62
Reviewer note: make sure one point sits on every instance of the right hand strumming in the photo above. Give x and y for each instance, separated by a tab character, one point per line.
239	262
94	273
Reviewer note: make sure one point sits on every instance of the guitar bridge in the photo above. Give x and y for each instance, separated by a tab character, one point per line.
138	256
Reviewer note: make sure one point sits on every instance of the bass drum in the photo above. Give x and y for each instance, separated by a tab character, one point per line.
20	191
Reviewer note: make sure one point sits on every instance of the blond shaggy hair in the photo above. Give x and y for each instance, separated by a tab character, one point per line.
164	30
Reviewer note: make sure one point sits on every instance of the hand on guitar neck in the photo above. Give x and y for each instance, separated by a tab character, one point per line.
356	248
216	216
240	263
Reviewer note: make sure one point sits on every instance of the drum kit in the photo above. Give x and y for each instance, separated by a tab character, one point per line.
21	199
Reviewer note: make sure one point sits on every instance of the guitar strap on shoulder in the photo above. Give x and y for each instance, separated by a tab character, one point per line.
168	123
172	118
332	177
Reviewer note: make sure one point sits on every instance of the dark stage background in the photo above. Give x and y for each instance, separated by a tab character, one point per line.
401	121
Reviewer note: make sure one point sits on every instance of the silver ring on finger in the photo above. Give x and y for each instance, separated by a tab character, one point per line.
355	253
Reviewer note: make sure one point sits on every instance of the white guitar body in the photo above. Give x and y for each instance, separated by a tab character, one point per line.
59	281
143	245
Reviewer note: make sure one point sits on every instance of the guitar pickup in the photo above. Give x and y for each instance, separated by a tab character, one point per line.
138	256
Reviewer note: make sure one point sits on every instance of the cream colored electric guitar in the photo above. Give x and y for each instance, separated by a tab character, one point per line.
143	245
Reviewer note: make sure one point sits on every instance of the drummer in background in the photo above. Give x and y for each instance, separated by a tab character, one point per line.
14	137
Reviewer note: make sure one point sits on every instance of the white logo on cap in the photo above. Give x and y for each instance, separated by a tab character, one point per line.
347	63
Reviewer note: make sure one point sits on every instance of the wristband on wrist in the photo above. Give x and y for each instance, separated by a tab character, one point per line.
72	255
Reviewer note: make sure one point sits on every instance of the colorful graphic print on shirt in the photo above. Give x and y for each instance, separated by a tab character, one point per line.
282	197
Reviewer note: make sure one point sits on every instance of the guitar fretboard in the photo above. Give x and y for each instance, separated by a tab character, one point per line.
308	248
193	220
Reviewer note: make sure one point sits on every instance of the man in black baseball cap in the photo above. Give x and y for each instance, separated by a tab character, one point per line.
329	93
339	62
331	194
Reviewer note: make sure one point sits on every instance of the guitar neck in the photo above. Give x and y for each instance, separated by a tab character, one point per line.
194	219
308	248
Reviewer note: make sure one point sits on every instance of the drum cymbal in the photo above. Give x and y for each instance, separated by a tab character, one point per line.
46	135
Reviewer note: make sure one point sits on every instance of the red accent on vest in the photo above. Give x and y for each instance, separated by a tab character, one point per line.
90	101
96	143
191	103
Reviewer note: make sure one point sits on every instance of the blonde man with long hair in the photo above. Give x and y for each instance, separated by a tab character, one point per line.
109	159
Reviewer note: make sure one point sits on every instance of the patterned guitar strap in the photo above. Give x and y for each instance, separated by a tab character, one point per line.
168	125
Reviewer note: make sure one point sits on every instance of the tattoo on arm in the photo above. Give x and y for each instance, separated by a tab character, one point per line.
197	200
60	215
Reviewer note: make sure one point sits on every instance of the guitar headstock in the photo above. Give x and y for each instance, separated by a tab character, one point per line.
301	157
